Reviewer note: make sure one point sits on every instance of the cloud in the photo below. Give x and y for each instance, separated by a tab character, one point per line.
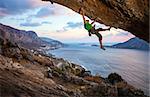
44	12
14	7
74	25
30	24
18	19
45	22
34	24
62	30
70	25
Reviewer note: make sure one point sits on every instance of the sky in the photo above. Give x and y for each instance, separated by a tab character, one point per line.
53	21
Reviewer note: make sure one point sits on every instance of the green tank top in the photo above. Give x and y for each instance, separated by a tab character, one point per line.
88	26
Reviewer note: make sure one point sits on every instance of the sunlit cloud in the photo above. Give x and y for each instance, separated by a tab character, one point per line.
15	7
38	3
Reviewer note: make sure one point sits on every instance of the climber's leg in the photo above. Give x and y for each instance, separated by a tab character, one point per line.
100	40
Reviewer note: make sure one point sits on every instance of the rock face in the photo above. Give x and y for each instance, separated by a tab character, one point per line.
130	15
26	73
133	43
27	39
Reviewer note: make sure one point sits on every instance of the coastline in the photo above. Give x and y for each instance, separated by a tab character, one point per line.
135	79
32	73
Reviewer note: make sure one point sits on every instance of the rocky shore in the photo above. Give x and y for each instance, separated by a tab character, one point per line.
28	73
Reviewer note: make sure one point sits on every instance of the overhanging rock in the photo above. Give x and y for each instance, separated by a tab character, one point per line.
130	15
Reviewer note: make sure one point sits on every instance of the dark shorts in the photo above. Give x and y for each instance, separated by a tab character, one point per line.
93	31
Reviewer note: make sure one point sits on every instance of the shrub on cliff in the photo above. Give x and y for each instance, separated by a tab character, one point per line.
114	78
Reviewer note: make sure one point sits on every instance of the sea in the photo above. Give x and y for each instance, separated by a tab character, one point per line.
133	65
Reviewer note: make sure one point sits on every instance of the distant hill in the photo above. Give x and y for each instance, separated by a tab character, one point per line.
133	43
54	43
27	39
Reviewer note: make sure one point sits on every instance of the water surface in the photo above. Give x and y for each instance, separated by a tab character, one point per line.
131	64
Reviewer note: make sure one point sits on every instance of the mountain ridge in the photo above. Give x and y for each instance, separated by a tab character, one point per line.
27	39
133	43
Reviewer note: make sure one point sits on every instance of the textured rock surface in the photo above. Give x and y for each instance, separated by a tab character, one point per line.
130	15
29	77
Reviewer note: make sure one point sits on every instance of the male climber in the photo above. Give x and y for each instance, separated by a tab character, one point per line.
91	29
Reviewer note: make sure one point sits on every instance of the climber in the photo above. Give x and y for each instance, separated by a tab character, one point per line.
91	29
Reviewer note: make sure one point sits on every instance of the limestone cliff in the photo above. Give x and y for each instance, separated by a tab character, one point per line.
130	15
27	38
